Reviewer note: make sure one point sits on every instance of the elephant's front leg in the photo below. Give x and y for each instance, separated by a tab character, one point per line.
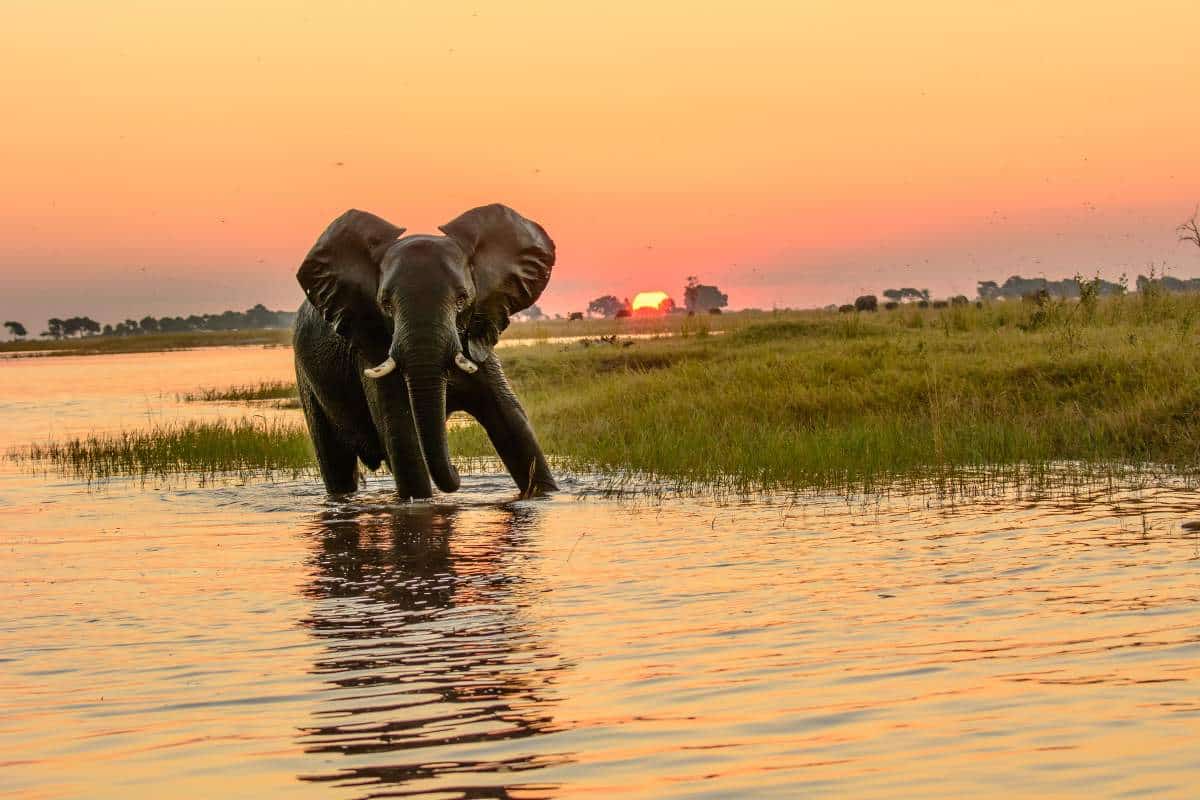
491	401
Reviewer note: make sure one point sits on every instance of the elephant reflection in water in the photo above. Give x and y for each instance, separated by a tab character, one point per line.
428	655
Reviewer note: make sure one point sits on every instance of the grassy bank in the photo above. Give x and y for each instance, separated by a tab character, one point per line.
830	401
548	329
833	401
146	343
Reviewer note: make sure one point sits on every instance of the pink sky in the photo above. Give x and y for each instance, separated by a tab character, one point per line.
182	160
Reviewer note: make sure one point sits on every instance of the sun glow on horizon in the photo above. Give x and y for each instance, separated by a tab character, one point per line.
794	155
653	300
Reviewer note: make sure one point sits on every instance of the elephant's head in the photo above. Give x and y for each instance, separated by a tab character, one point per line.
427	304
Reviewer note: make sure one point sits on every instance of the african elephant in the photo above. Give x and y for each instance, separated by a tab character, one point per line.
397	332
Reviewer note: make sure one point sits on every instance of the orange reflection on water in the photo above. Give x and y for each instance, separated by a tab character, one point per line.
263	639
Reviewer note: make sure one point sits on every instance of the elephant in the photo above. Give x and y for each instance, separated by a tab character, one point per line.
399	331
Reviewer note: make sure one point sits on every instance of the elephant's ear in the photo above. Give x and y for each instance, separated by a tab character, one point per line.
340	275
510	259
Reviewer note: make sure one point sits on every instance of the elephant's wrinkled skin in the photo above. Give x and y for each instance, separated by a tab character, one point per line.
398	331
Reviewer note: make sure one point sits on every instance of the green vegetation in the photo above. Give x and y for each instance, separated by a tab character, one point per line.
820	400
146	343
543	329
245	448
268	390
1102	387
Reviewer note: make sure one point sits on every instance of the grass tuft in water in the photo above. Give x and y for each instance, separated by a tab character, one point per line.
244	448
267	390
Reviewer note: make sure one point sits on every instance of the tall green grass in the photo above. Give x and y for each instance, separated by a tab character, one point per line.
1099	389
267	390
856	400
243	448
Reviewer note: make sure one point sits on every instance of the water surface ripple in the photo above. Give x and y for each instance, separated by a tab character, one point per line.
267	639
263	640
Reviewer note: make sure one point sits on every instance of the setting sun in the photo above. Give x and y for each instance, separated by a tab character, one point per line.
650	300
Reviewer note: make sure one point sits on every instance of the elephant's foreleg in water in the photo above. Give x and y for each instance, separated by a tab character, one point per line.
336	458
497	409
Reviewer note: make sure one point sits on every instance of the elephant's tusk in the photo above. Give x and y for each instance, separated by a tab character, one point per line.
383	369
465	364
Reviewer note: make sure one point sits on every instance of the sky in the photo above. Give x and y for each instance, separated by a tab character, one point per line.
182	157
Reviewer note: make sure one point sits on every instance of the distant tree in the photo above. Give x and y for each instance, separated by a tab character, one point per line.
698	297
54	328
1166	283
606	306
906	294
1190	230
16	329
1016	288
80	326
148	325
531	314
108	330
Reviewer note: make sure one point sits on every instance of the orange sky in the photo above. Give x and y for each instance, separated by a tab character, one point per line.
183	159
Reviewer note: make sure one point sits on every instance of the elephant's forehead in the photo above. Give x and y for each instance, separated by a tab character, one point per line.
425	246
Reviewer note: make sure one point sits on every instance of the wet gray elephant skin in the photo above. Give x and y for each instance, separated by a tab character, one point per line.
398	331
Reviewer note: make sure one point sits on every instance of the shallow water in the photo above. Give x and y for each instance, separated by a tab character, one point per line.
263	640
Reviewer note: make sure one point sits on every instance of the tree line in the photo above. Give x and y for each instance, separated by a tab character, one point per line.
254	318
697	298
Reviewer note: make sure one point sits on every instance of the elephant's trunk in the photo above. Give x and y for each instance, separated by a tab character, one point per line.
427	394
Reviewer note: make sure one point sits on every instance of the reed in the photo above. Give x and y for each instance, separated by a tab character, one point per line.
267	390
245	448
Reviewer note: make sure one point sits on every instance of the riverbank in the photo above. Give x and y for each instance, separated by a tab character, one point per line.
1103	388
835	401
